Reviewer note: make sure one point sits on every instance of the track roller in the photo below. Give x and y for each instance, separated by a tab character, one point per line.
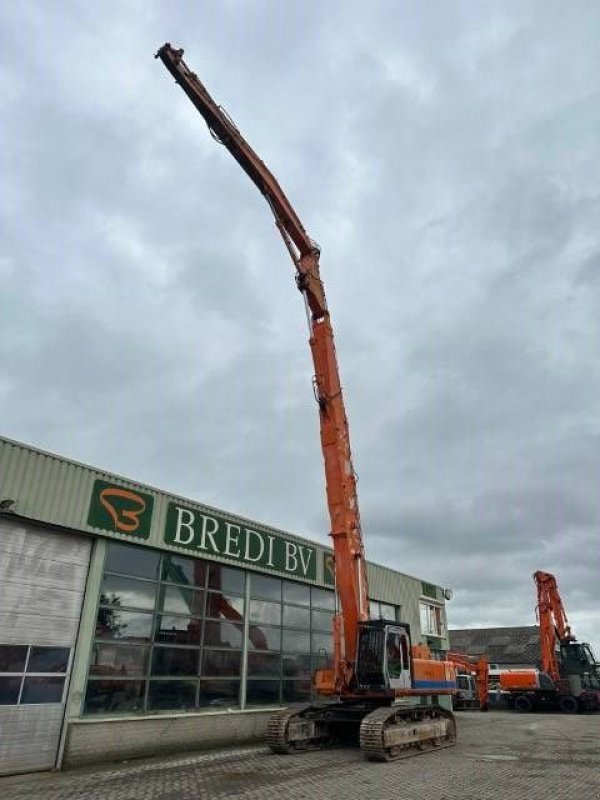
392	732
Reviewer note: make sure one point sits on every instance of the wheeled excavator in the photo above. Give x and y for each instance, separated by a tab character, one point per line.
380	691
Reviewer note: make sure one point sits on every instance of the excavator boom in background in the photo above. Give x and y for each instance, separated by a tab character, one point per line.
568	678
373	663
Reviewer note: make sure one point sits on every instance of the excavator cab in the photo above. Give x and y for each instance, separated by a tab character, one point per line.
383	656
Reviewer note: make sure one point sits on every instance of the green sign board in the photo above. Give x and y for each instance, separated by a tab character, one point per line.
429	590
120	510
211	534
328	569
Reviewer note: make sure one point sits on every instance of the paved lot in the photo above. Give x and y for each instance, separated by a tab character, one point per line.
500	755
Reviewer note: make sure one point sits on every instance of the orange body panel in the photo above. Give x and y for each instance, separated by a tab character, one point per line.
524	680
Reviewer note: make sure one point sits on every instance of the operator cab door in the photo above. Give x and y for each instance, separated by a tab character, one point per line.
397	658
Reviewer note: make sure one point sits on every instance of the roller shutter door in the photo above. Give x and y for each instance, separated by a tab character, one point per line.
43	575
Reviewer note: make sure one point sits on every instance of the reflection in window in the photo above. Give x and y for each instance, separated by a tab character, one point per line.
118	659
297	666
221	662
175	661
114	623
9	690
294	617
219	605
178	630
179	695
388	611
296	691
131	560
321	642
13	657
178	600
114	697
262	692
296	593
264	665
218	694
226	579
296	642
265	587
322	620
48	659
262	611
185	571
117	591
38	689
264	638
223	634
322	598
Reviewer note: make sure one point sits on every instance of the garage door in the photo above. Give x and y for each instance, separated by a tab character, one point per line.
43	580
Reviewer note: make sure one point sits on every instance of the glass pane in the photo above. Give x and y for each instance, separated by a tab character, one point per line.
322	598
178	630
296	691
262	693
9	690
112	697
186	571
264	638
226	579
178	600
269	613
263	586
219	605
131	560
118	659
42	690
322	620
48	659
219	694
12	657
175	661
297	593
113	623
321	641
223	634
175	695
221	662
127	592
296	642
388	611
297	666
263	665
374	609
294	617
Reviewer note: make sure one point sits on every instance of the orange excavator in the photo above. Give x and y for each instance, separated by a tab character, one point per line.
568	678
467	668
373	664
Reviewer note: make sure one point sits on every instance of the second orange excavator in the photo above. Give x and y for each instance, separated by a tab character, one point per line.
374	666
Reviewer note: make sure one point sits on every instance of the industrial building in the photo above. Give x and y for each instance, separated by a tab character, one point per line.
135	622
505	648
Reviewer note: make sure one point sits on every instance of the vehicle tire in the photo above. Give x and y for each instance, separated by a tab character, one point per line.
568	704
523	704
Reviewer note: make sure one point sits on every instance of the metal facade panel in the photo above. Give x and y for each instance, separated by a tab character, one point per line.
43	581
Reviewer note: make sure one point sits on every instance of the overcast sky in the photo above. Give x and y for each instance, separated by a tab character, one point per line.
445	157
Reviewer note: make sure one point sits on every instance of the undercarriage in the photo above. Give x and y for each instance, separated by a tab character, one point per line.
383	732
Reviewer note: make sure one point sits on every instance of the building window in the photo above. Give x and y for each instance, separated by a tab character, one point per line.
432	623
379	610
170	635
32	674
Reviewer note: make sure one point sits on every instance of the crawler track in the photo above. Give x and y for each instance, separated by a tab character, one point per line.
392	733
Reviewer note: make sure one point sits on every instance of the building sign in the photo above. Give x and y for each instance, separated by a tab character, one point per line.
120	510
207	533
429	590
328	569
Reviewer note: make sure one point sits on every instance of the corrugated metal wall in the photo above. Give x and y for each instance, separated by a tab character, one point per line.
43	581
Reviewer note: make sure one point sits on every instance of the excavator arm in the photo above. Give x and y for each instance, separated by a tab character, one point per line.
553	622
480	668
350	568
